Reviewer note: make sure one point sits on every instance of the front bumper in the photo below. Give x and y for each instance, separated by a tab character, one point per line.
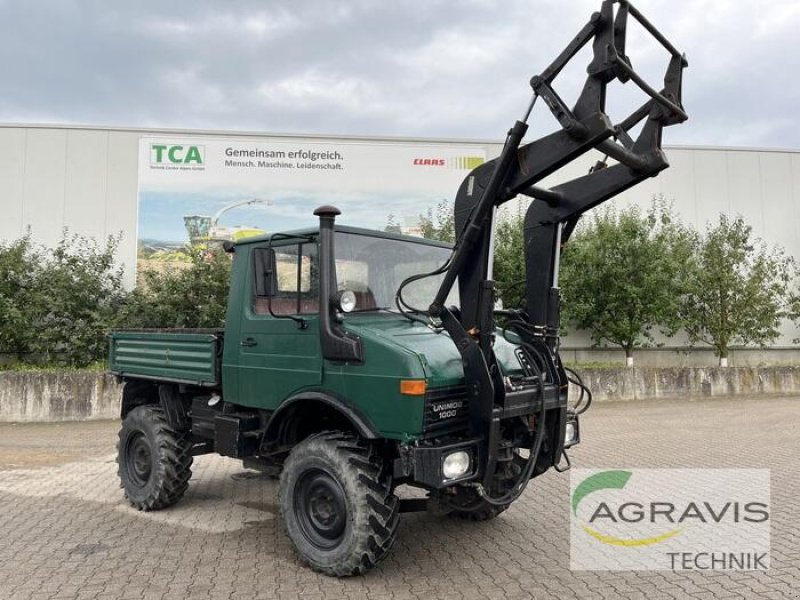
423	464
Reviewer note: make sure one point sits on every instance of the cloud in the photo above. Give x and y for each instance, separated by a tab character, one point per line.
412	68
312	89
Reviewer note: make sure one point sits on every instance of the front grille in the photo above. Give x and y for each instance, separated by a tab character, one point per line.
446	410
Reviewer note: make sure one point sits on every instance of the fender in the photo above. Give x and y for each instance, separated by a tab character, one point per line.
358	420
136	392
175	406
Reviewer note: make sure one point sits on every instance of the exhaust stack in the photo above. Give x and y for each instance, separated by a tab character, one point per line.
336	343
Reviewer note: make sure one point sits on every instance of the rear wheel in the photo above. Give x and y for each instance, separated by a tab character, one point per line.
337	505
154	460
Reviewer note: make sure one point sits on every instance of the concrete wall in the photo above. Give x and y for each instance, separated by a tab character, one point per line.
44	397
684	357
642	383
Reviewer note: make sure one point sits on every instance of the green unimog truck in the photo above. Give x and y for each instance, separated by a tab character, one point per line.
354	361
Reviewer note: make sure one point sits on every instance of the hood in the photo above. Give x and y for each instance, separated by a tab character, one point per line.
436	351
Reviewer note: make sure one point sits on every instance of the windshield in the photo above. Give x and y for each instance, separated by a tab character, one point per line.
374	267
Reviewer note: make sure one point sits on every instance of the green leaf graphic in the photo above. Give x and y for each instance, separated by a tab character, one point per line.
599	481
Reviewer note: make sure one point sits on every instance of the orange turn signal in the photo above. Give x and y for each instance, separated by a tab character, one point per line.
412	387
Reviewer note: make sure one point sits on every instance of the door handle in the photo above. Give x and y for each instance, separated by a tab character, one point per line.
248	342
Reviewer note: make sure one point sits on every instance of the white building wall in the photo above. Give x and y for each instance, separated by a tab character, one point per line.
85	179
763	186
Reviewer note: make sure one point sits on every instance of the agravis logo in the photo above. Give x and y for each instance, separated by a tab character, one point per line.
670	519
615	480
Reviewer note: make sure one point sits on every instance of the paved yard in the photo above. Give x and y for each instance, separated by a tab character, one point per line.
65	531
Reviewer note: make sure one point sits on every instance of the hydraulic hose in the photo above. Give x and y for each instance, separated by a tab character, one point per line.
576	380
536	446
405	309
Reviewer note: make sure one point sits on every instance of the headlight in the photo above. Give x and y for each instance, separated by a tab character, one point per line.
455	465
346	300
571	434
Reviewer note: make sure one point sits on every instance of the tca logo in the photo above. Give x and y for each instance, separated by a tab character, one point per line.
160	153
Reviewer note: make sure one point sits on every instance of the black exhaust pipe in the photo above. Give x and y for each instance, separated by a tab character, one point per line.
336	343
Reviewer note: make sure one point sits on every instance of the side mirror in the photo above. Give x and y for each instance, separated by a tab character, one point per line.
266	283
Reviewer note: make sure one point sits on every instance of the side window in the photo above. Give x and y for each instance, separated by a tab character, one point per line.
295	277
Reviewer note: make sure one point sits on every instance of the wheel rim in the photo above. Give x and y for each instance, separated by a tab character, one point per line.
139	457
320	508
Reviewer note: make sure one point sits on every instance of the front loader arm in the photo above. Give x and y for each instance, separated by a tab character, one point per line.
549	222
548	225
520	167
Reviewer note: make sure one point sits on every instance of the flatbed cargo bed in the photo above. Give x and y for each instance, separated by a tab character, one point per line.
189	356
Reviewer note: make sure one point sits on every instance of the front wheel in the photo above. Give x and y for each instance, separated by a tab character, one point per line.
337	506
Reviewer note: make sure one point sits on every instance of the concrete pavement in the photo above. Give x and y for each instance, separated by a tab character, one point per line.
66	532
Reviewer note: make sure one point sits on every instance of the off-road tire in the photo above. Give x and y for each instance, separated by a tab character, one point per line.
154	461
482	511
337	504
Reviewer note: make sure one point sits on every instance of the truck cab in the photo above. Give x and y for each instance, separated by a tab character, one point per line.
403	379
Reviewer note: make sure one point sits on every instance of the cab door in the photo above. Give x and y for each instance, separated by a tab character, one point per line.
279	351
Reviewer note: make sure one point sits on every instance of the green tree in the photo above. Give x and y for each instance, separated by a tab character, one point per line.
439	223
793	308
57	305
392	226
80	291
738	288
20	266
436	223
623	275
509	260
191	296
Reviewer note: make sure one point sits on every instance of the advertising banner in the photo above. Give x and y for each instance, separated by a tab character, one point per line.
199	189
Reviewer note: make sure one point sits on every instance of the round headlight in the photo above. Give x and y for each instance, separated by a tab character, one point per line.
455	465
570	434
347	301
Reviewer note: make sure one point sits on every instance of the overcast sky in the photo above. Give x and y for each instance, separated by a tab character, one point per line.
430	69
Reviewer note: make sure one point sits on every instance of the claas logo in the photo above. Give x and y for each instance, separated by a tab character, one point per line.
192	155
455	162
